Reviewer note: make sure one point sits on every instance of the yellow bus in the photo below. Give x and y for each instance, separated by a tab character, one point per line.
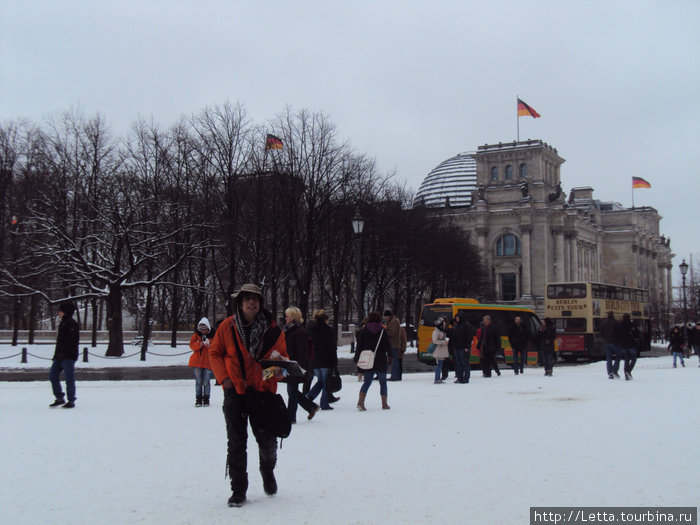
502	316
577	309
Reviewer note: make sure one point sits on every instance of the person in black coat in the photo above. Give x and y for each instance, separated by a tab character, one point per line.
370	337
325	356
489	345
676	345
65	356
461	337
628	339
546	335
297	341
518	338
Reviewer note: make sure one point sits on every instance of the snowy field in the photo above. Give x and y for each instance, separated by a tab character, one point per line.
482	453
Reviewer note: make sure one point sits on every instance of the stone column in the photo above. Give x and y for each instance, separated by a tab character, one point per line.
560	274
574	257
526	285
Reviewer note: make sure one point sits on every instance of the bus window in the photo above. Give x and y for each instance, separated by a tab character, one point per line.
598	291
567	291
571	325
430	313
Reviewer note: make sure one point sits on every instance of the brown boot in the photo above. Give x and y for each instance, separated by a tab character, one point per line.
385	405
361	402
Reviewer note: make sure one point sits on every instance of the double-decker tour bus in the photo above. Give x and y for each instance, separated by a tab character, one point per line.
502	316
577	309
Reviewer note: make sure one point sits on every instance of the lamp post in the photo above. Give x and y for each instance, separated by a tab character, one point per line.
684	269
358	224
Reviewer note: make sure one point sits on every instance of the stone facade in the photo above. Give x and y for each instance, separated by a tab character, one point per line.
529	233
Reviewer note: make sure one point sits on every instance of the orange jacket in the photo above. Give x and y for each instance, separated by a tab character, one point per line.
200	355
224	358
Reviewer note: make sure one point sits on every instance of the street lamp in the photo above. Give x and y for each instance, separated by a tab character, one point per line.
358	224
684	269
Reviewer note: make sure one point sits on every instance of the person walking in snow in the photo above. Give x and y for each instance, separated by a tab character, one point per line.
546	335
298	349
518	337
489	344
676	345
441	352
325	357
241	341
199	362
370	337
65	355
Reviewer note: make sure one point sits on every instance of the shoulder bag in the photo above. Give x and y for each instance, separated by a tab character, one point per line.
366	359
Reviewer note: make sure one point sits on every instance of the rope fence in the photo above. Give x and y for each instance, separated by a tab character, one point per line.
24	355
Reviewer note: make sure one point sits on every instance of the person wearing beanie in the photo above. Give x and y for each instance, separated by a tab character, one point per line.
65	356
199	361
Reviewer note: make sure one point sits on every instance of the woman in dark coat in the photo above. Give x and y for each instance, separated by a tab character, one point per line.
546	334
298	349
367	339
325	356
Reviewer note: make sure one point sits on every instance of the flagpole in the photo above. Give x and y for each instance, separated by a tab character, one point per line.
517	119
632	192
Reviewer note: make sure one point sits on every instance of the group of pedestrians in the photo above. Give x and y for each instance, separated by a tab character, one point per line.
622	341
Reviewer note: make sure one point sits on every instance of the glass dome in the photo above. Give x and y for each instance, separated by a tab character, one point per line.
450	184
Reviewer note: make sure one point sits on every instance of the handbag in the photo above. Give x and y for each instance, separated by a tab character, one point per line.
366	359
431	348
267	411
334	383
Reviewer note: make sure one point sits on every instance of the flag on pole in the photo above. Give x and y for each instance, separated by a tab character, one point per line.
526	111
638	182
273	142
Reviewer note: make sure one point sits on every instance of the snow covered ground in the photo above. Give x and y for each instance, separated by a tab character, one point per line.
482	453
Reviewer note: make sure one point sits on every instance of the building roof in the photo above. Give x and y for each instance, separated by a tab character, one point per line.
450	184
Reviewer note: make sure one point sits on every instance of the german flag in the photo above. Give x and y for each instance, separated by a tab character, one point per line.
273	142
638	182
526	111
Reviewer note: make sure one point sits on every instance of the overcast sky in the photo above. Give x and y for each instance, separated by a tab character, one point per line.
410	83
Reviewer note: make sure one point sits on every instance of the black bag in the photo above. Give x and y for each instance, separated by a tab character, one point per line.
333	382
267	412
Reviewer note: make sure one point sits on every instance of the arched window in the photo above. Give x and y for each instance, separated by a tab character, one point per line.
494	173
509	172
523	171
507	245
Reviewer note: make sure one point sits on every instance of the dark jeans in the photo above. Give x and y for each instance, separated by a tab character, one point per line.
297	398
488	361
519	359
237	434
395	365
368	376
68	367
630	357
460	356
612	351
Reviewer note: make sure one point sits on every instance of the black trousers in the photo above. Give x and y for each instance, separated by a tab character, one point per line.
237	433
488	362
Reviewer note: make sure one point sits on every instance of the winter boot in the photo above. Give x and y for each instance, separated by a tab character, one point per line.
237	499
70	404
361	402
385	405
269	482
198	402
205	401
59	401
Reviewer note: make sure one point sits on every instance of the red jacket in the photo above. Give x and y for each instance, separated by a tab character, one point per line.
200	354
224	358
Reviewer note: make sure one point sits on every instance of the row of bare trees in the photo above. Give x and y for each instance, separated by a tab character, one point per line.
166	223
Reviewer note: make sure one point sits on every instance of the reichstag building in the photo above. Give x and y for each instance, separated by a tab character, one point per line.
509	197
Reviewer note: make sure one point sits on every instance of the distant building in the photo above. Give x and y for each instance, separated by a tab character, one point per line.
508	196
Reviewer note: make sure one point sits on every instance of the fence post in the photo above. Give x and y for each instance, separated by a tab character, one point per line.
24	356
85	354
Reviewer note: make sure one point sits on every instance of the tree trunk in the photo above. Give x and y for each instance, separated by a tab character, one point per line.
95	321
115	348
174	316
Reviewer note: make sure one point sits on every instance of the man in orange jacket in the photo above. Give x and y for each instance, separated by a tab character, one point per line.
251	334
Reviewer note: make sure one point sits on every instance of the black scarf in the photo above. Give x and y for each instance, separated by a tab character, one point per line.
252	333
